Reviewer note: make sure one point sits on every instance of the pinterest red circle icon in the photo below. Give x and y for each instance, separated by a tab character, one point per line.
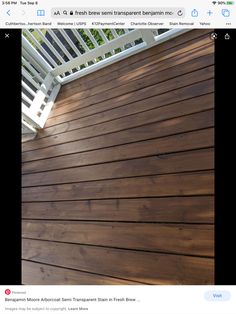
7	291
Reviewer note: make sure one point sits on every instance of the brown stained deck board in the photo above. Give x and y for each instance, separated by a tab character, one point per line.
129	87
187	42
172	163
145	267
84	120
150	102
207	72
43	274
122	111
195	209
176	143
159	65
196	183
119	186
169	238
197	104
173	126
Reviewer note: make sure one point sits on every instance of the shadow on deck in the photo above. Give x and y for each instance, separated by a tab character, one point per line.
118	187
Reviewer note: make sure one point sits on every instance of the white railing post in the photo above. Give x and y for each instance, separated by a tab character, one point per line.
42	92
49	104
148	36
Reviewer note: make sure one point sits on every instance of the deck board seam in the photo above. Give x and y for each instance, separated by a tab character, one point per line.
152	85
121	248
122	198
197	38
144	76
210	170
126	159
148	124
83	271
114	119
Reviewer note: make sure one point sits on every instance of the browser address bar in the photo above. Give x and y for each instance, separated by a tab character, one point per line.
74	12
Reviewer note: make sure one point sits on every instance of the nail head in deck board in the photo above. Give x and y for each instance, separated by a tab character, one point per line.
161	164
152	268
174	143
197	183
175	209
160	129
42	274
186	107
168	238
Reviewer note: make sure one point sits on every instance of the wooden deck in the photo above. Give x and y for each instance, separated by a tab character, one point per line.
118	188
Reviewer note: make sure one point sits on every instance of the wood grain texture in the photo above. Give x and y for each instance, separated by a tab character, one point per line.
180	56
197	183
173	126
142	85
161	164
207	72
161	63
175	209
42	274
178	109
145	267
83	118
118	188
169	238
137	65
170	144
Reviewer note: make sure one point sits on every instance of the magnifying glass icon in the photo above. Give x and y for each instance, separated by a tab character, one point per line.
65	12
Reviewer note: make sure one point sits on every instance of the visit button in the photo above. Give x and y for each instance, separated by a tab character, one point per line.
217	295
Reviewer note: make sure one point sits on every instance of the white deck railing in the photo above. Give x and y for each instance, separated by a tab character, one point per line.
53	57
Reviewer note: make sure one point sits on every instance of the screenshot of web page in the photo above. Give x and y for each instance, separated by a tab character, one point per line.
117	195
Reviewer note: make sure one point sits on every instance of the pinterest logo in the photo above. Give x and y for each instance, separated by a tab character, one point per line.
7	291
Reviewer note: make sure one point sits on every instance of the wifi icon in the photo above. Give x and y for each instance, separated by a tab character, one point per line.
214	2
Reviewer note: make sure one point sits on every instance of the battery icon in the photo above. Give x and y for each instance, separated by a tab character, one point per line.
230	2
